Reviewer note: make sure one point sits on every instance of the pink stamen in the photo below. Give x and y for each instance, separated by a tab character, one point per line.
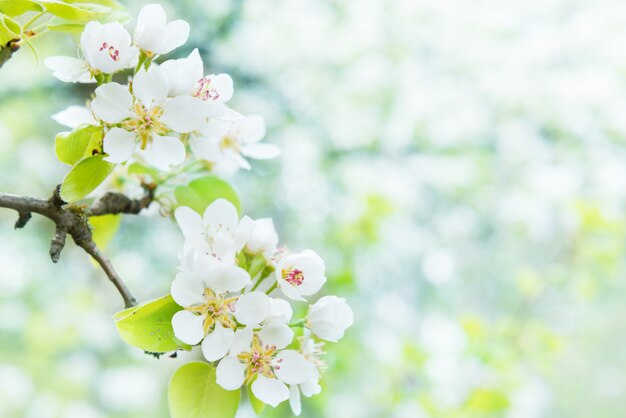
294	277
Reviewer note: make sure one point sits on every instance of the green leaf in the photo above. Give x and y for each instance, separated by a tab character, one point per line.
201	192
85	177
114	4
104	228
79	12
9	29
149	325
19	7
257	405
136	168
82	142
194	393
74	28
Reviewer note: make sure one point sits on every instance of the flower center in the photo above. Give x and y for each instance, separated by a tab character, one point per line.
293	276
146	122
229	142
259	360
205	89
216	309
114	53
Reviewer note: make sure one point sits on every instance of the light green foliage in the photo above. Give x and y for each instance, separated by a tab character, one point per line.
104	229
257	405
149	325
193	393
9	29
77	12
19	7
61	16
82	142
201	192
85	177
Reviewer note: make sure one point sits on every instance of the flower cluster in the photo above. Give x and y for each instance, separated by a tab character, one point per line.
235	285
165	107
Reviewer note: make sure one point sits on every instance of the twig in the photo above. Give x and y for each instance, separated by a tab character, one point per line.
69	220
113	203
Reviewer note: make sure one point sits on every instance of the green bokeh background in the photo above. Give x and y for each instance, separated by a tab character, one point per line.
460	166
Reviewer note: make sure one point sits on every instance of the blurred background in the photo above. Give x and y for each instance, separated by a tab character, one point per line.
461	166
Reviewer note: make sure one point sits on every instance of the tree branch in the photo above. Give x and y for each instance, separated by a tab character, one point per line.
114	203
73	221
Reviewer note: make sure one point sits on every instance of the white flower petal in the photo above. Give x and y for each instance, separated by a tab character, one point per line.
221	213
183	73
224	279
241	341
69	69
230	373
205	148
165	151
294	400
152	34
243	231
260	151
112	103
187	292
217	343
280	310
188	327
223	84
119	144
216	128
150	87
190	222
183	113
270	391
252	308
263	237
276	333
329	317
252	129
174	35
293	367
288	290
311	387
74	116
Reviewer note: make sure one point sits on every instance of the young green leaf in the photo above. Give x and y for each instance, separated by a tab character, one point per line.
201	192
74	28
257	405
104	228
149	325
136	168
79	12
194	393
85	177
9	29
82	142
19	7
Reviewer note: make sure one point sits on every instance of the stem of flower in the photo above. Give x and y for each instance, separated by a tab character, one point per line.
274	286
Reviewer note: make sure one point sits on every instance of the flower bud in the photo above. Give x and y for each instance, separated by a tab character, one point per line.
329	317
263	238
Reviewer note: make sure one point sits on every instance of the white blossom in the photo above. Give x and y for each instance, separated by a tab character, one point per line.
263	238
233	140
154	36
329	317
106	48
218	233
265	364
300	274
147	117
